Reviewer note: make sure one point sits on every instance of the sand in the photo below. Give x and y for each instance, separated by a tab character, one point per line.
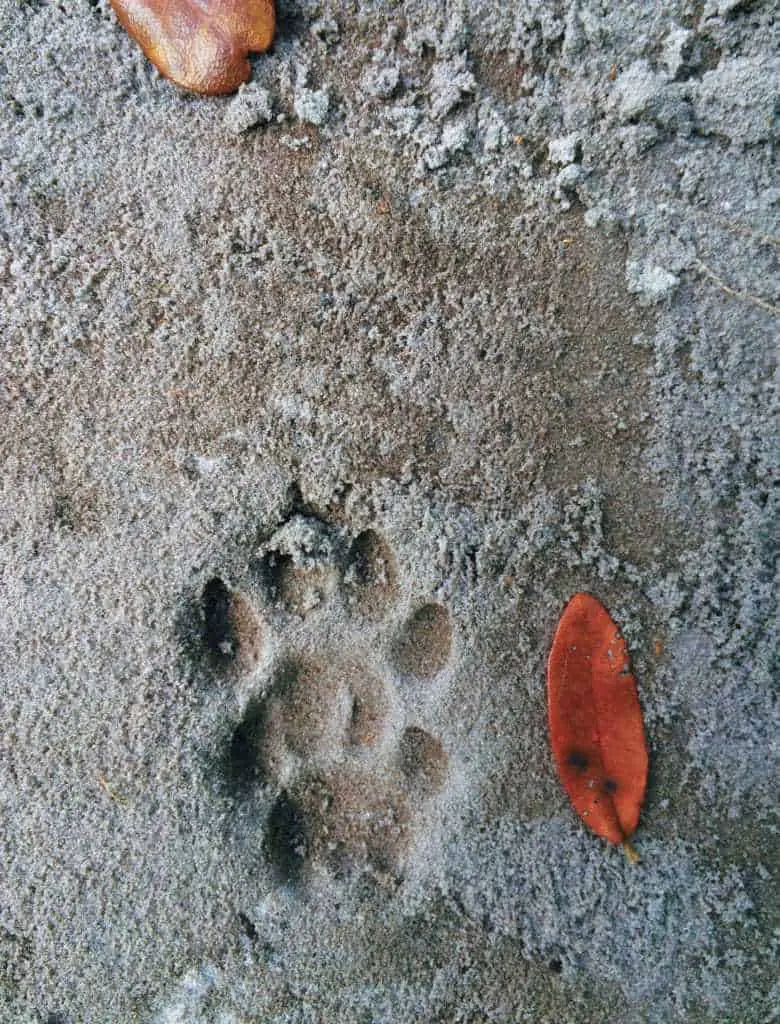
317	404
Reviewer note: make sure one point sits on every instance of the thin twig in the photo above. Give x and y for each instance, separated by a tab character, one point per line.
739	229
112	793
745	296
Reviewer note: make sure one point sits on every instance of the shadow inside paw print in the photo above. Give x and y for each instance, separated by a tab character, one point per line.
326	733
232	632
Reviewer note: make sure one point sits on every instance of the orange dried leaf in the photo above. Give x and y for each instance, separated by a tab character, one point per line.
596	728
201	45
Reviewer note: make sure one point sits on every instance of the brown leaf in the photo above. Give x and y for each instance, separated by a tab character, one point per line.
596	728
201	45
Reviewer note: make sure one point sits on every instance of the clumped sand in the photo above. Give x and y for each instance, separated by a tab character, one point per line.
317	404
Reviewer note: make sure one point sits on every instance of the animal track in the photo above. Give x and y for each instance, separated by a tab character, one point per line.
326	734
424	646
233	633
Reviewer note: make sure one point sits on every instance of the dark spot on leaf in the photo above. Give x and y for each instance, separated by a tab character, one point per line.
578	760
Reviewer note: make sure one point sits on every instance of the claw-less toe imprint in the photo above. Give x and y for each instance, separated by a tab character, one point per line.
319	643
423	648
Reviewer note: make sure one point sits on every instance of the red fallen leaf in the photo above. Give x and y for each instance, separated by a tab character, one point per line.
201	45
596	728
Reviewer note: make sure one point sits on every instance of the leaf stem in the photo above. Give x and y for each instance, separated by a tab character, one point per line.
630	852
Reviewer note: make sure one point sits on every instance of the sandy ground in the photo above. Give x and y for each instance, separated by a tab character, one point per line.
317	405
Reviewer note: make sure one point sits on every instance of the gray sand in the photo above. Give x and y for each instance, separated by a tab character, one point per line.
317	404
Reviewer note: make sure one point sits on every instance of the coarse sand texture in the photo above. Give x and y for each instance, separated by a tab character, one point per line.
318	403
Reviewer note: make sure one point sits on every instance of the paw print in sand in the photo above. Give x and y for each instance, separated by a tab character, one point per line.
337	677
